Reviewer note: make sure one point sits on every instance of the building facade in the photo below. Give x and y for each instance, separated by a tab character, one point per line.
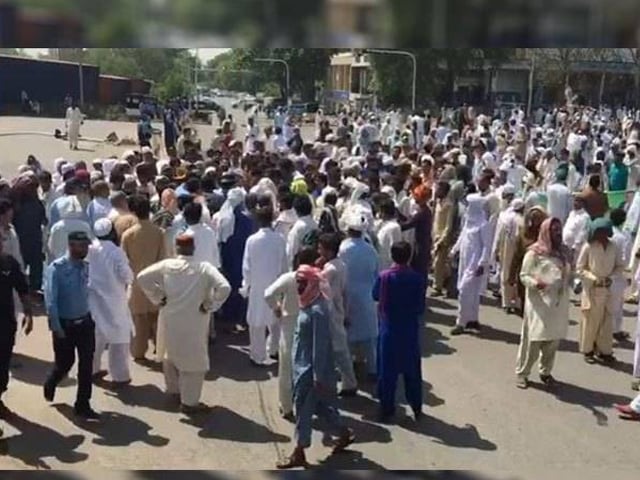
347	85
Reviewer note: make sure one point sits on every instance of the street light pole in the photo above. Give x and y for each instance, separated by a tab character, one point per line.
81	83
415	67
286	68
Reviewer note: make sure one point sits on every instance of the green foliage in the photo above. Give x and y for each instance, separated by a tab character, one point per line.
307	67
437	70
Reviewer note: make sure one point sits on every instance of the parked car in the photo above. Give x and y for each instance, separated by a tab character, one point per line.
304	112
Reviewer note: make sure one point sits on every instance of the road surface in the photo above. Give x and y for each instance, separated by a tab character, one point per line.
476	418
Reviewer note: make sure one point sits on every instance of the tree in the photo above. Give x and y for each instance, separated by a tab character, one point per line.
307	67
438	71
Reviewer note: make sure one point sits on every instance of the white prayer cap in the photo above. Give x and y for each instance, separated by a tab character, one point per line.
127	154
210	170
108	165
508	189
356	221
102	227
70	208
517	204
146	149
66	168
389	190
95	175
476	212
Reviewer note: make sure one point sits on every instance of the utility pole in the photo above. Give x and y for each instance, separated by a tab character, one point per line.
415	67
81	82
531	78
286	69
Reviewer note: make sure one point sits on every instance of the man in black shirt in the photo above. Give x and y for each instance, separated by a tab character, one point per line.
11	278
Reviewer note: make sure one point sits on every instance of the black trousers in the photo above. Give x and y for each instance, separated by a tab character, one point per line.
79	338
7	340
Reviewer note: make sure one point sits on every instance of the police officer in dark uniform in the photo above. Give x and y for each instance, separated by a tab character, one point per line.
67	301
11	279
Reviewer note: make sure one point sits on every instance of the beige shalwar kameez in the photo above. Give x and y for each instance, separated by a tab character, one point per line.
546	312
442	225
187	291
595	264
144	245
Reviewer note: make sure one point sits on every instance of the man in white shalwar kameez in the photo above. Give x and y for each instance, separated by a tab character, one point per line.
282	298
474	246
187	291
74	120
619	283
264	260
635	384
109	276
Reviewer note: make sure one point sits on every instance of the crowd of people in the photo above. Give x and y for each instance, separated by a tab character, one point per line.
324	251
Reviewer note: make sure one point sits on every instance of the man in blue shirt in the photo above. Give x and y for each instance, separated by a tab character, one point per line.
67	301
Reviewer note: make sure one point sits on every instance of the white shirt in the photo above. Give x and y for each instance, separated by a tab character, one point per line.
294	240
515	173
264	260
284	223
109	276
206	243
58	238
576	230
388	234
182	326
559	201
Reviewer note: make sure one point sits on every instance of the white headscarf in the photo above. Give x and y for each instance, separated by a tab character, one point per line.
356	220
226	216
358	190
70	208
266	187
476	212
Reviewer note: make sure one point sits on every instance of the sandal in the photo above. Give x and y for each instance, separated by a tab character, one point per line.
522	383
344	441
293	461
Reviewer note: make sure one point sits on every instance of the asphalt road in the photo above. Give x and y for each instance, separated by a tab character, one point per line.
476	418
23	136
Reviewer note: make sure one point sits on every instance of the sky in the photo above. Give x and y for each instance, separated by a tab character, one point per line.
205	54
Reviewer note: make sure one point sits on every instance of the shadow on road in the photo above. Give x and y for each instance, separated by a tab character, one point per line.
347	460
433	302
433	342
447	434
226	424
146	396
31	370
229	361
35	442
115	429
178	475
592	400
366	432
